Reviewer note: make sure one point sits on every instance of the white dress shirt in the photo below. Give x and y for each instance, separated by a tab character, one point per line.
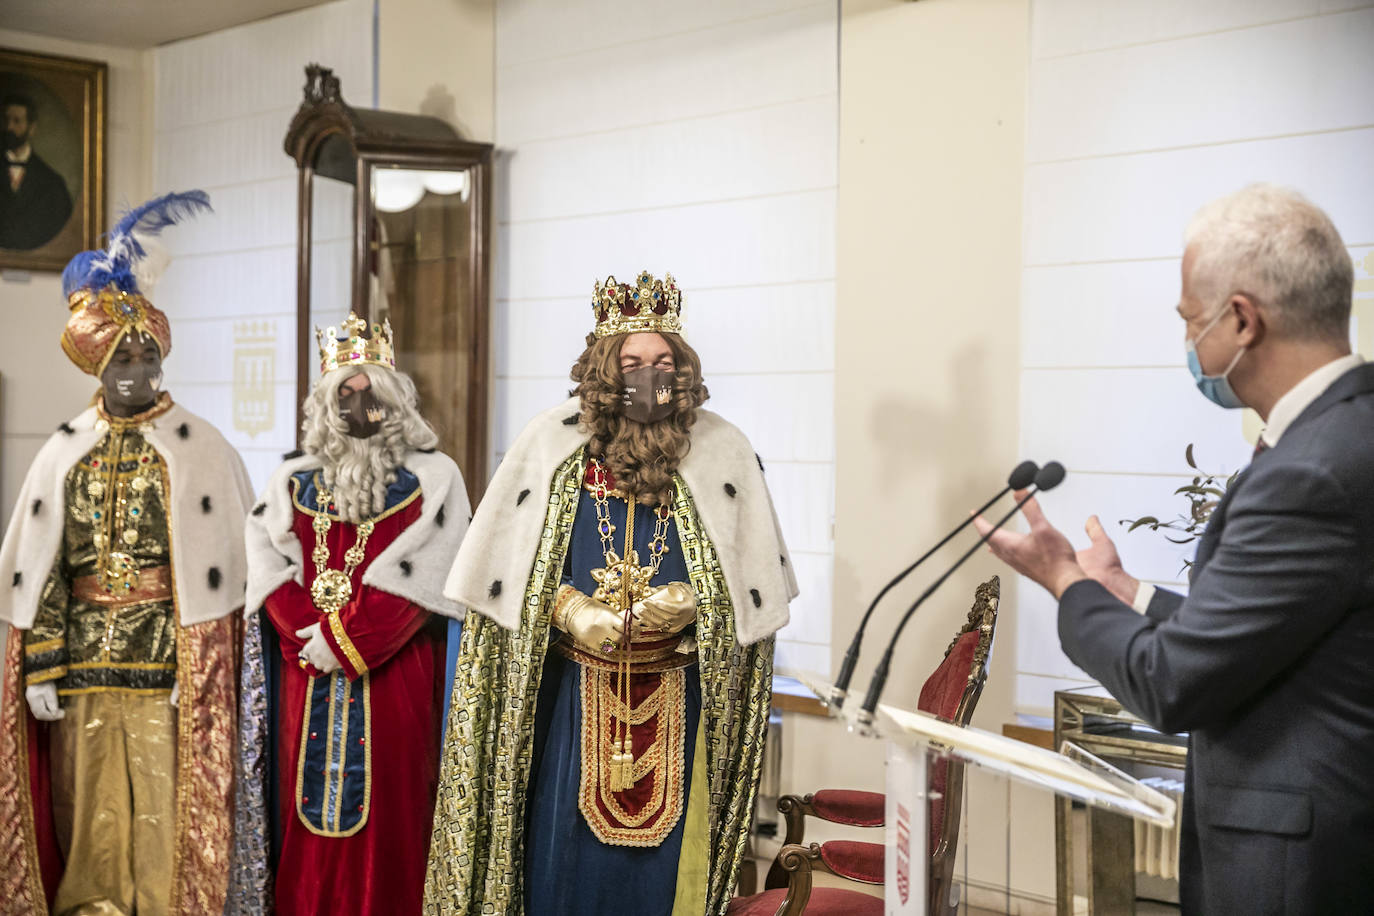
1285	410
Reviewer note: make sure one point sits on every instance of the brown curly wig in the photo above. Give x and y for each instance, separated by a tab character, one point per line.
642	457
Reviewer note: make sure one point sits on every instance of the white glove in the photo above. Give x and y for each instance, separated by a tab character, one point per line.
43	702
316	651
176	694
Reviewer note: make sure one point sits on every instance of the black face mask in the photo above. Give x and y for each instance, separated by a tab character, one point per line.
132	378
362	412
648	394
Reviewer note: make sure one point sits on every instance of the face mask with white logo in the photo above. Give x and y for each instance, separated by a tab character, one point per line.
648	394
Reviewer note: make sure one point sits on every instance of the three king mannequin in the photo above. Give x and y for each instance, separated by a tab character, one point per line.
126	567
611	691
344	646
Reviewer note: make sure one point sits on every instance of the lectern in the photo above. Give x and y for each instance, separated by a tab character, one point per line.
919	747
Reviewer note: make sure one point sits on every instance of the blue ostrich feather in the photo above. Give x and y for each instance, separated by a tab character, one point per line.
118	263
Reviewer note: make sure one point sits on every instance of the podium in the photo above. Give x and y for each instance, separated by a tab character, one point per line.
926	757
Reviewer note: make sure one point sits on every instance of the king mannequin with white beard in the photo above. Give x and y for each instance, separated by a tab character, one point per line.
343	657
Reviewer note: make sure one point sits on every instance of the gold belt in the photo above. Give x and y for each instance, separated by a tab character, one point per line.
644	657
154	584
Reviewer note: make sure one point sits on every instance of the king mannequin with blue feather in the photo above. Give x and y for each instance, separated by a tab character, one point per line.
123	568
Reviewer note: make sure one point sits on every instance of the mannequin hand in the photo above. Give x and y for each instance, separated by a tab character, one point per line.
591	624
176	695
316	651
43	702
668	610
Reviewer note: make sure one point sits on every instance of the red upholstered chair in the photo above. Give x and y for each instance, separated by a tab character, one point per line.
950	693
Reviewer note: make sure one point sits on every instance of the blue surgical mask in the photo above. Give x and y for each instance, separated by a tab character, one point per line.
1214	388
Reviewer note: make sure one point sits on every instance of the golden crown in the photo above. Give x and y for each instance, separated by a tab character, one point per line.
358	345
649	305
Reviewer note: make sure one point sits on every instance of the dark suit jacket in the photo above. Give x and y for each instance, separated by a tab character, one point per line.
31	216
1268	664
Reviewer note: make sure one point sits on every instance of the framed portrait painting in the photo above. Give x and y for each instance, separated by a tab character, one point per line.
52	190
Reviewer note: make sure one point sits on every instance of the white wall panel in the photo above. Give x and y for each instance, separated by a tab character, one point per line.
1140	420
1126	207
747	153
1078	26
229	152
1118	314
745	64
783	239
539	338
1147	97
631	32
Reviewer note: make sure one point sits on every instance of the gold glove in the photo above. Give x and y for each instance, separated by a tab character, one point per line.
666	610
591	624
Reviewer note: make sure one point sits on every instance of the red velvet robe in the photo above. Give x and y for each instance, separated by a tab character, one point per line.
381	868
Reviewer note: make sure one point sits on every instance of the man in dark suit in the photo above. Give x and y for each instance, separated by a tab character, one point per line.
34	201
1268	663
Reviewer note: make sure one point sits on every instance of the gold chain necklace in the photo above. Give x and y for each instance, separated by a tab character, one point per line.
333	587
624	572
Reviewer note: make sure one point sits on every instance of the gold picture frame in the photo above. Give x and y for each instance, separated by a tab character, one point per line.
52	114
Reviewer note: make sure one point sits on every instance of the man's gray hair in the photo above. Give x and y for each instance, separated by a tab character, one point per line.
1280	248
358	471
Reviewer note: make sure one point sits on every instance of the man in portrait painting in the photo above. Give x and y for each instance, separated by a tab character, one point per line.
34	201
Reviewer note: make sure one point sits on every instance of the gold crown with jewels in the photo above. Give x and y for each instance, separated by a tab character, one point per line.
358	345
649	305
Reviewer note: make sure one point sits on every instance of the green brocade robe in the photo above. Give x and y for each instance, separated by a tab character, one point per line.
476	860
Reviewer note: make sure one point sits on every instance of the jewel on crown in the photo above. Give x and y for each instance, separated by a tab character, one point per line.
359	344
648	305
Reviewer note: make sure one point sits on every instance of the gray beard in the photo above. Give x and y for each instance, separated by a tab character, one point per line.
359	477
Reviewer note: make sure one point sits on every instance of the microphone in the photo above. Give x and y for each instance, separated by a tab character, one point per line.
1022	476
1049	477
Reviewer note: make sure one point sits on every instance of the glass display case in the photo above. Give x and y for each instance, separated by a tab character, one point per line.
393	222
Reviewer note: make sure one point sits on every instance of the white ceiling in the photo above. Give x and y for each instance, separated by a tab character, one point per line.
137	23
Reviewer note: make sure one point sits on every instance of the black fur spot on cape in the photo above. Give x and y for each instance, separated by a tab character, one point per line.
760	461
754	593
405	567
66	429
184	431
426	451
213	576
439	517
782	559
18	578
521	498
495	589
37	505
260	508
205	504
572	421
730	490
292	455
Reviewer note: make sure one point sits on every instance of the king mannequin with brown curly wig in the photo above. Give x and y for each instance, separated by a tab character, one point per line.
611	692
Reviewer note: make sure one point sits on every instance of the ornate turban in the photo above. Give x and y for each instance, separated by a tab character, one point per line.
104	288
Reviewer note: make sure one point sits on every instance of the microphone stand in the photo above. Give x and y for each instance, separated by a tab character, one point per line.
1048	478
851	656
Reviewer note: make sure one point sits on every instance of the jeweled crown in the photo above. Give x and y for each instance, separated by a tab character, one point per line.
649	305
359	344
